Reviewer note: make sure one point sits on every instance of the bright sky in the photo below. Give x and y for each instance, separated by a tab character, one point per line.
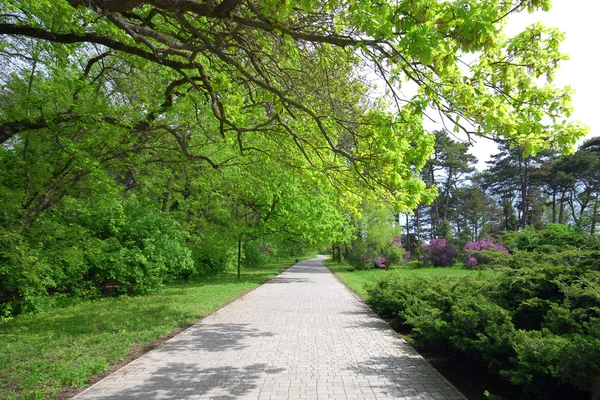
578	20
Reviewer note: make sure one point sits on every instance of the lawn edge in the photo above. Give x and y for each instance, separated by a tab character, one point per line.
139	350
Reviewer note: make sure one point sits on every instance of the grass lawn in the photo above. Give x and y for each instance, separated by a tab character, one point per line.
356	279
41	355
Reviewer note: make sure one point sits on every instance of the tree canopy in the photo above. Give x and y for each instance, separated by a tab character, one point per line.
290	80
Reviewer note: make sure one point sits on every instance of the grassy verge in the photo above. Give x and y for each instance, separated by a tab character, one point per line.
44	354
356	279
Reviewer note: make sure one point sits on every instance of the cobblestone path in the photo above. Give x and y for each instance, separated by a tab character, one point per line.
303	335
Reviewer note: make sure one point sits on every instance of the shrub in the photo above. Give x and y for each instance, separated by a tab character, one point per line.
393	251
484	253
554	238
542	357
362	255
485	244
538	325
437	252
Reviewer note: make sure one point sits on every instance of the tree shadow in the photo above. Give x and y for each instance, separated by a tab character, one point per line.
407	376
180	380
308	268
213	338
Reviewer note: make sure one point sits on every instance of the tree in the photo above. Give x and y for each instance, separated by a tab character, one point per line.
512	177
449	164
582	171
229	122
265	68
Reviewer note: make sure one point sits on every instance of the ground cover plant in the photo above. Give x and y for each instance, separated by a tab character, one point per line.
43	354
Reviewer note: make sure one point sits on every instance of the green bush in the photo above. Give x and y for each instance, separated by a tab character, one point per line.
115	246
542	357
554	238
486	259
538	325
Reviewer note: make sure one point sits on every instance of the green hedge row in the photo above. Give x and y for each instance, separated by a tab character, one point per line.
537	323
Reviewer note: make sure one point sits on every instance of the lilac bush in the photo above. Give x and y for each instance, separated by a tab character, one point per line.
482	253
471	261
393	252
380	262
438	252
406	256
396	242
485	244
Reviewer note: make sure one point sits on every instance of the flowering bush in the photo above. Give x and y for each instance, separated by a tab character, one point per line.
485	244
438	252
471	261
483	253
396	242
393	252
380	262
406	256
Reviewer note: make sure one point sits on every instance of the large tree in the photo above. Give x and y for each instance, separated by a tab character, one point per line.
286	71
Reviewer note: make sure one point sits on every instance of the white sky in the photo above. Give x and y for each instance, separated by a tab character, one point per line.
578	20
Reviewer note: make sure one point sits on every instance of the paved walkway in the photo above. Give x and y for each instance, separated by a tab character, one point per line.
303	335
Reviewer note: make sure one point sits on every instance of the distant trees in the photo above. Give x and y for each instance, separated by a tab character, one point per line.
514	192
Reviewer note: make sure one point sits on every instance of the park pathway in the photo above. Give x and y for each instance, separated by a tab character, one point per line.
302	335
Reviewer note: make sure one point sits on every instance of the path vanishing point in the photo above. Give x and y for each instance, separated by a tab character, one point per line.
303	335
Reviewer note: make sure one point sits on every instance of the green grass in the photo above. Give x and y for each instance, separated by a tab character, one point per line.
356	280
42	354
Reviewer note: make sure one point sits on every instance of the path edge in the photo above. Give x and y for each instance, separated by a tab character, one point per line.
367	306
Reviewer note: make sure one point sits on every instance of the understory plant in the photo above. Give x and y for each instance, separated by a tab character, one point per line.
484	253
438	252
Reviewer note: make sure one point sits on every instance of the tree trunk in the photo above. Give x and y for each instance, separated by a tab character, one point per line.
340	256
554	206
435	212
417	223
594	214
408	234
447	199
523	166
167	194
239	257
561	210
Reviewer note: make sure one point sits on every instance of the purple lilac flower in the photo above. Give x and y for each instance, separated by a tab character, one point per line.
406	256
396	242
438	251
471	261
485	244
380	262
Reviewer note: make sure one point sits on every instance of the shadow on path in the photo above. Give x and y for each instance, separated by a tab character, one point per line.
214	338
180	380
405	376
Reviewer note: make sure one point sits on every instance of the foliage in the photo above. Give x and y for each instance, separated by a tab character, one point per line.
378	242
438	252
118	246
554	238
485	244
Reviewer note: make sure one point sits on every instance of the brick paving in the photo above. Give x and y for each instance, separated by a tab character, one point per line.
303	335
